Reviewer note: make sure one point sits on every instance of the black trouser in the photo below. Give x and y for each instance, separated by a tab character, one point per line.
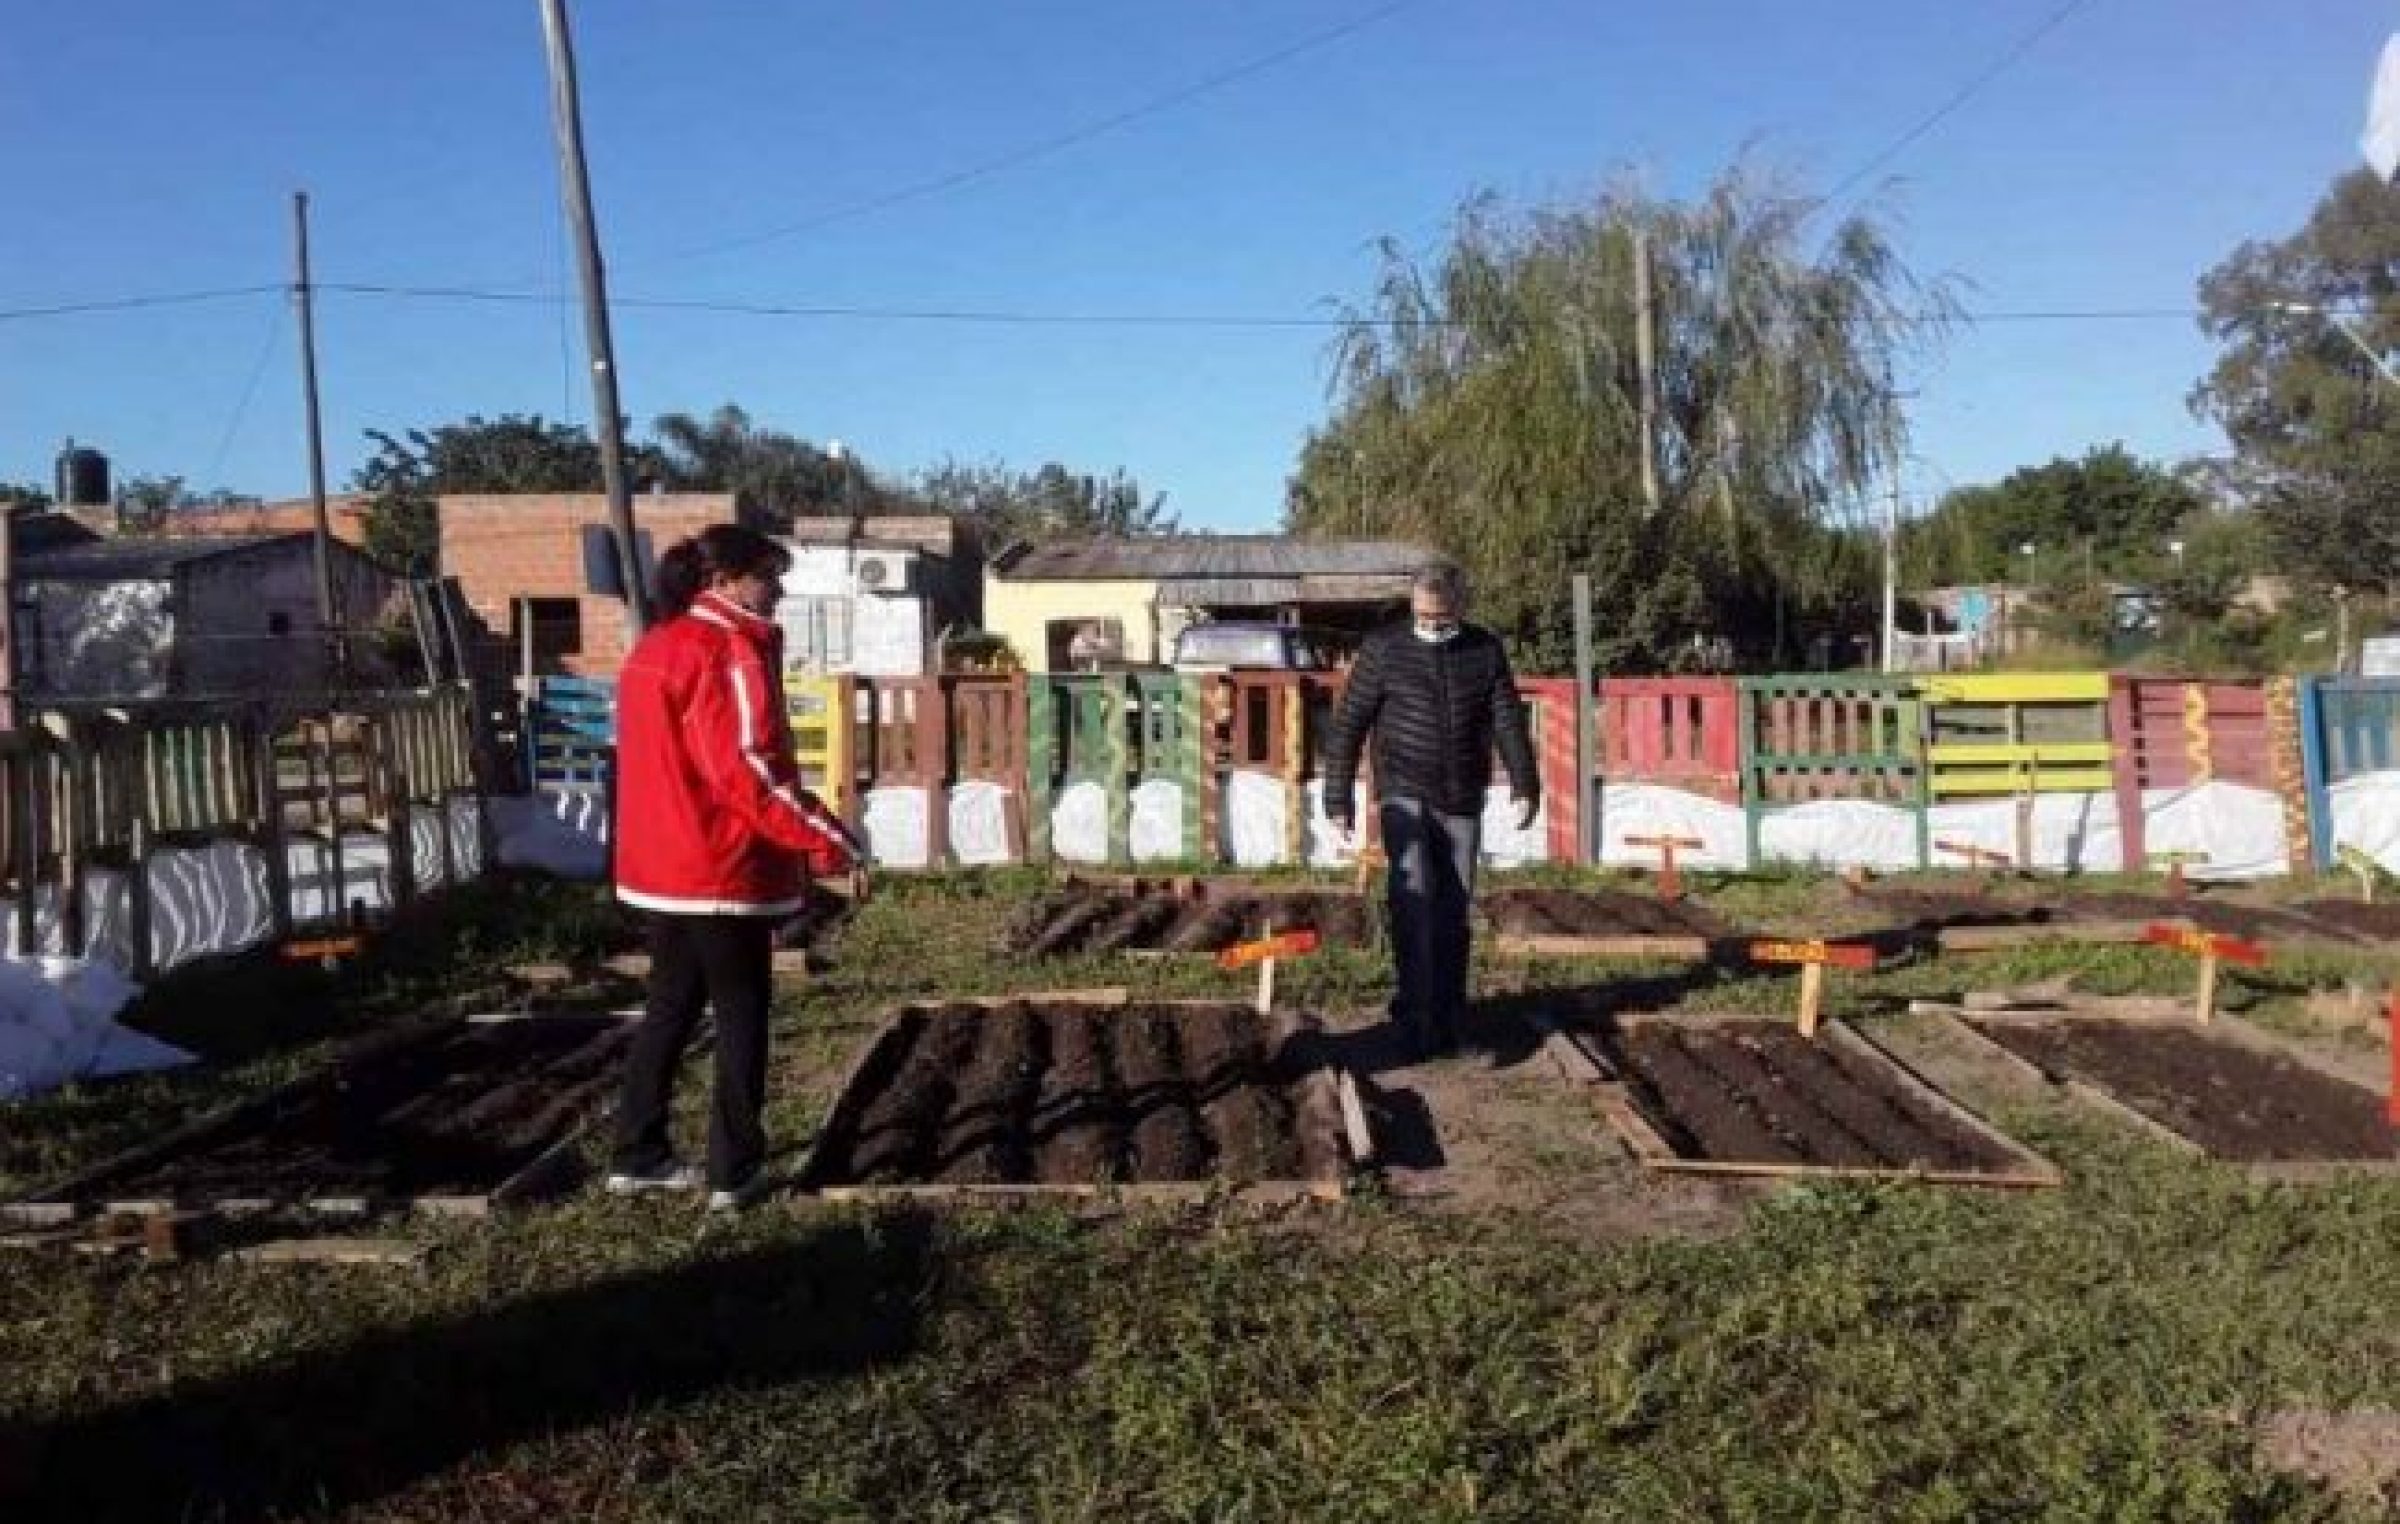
1431	893
724	962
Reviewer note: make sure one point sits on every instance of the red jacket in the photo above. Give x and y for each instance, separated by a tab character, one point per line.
711	817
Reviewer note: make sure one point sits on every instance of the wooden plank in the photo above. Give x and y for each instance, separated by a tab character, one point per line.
398	1253
1556	945
2062	933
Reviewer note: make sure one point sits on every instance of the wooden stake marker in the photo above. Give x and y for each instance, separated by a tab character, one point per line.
1670	882
2362	865
1264	952
329	951
1814	956
2211	950
2175	863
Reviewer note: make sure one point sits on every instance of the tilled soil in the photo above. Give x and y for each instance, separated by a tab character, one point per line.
1596	913
2236	1102
1086	920
455	1113
2368	923
1760	1093
1039	1093
1929	909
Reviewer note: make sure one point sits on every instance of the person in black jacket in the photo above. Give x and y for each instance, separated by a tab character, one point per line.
1437	696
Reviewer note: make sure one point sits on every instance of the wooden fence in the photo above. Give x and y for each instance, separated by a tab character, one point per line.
99	788
1811	738
1764	743
2348	726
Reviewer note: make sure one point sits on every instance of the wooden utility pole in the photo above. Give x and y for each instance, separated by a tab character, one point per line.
329	621
1645	351
8	618
566	115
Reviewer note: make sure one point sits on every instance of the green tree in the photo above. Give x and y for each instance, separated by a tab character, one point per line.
773	475
23	497
2310	417
1050	502
143	502
2110	511
1489	404
511	453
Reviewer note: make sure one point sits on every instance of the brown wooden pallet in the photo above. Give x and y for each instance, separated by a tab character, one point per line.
2099	1098
1623	1104
1328	1105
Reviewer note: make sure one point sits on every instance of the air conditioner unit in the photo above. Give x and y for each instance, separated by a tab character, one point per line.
881	571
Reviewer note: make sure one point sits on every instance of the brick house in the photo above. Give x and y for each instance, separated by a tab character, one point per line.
519	561
345	516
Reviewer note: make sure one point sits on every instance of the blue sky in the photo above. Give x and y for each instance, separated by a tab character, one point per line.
152	145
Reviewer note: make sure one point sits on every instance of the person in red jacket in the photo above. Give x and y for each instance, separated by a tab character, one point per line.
716	842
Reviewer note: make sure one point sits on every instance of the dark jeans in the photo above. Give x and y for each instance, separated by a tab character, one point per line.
1431	887
702	961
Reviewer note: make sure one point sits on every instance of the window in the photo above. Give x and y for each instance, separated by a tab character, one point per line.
554	624
816	632
279	623
1086	645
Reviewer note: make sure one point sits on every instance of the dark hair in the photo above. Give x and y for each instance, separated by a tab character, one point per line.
721	550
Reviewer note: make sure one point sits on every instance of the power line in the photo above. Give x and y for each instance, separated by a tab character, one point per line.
1967	92
1045	147
130	303
1028	318
241	407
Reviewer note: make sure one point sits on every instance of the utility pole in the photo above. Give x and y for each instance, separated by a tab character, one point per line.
566	118
329	619
1891	579
1645	352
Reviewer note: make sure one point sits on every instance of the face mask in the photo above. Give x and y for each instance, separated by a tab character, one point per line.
1434	632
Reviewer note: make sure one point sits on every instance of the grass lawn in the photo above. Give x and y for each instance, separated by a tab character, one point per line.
1526	1328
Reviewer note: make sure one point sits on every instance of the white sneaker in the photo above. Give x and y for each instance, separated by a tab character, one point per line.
740	1197
672	1177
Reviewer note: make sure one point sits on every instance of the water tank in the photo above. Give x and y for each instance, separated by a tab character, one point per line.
82	477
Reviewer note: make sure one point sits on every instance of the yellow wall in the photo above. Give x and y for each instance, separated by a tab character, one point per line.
1021	612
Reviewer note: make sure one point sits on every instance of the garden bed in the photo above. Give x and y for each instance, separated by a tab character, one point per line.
1053	1095
1750	1095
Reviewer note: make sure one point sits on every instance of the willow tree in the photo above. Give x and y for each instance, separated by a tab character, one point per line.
1490	403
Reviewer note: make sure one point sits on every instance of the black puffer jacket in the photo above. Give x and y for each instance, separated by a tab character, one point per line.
1435	711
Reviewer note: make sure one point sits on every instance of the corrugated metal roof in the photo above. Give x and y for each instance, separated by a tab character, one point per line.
1211	557
130	559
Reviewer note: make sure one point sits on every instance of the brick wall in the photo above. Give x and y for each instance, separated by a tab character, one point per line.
530	545
345	515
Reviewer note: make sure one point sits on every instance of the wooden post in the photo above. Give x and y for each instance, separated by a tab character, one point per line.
2210	950
1041	764
24	806
75	845
1587	730
1266	975
935	735
2174	862
403	845
1295	751
2206	1001
1812	997
137	899
268	787
1116	761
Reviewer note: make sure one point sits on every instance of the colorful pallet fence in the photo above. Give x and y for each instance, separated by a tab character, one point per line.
1813	738
1680	732
2349	727
2017	733
2179	733
1113	744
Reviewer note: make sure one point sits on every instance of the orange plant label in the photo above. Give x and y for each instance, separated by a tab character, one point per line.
1289	944
1814	950
2201	944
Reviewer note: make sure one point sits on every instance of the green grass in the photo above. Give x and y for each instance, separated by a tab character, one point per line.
2093	1352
